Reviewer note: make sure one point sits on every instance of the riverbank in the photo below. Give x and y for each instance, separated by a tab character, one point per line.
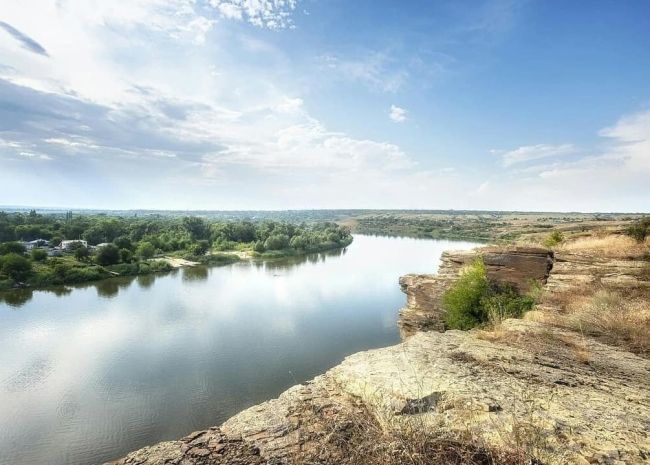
567	384
67	270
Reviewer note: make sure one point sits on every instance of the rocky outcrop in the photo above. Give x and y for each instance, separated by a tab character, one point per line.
529	386
572	270
518	266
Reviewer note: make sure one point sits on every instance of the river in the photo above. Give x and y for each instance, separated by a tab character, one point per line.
89	373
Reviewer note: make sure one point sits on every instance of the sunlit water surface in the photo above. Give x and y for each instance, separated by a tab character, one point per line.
92	372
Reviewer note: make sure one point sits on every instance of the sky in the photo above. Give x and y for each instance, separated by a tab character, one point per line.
535	105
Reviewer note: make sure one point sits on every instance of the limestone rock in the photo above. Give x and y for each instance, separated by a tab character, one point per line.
518	266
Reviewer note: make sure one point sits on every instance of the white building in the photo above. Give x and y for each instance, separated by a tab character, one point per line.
65	245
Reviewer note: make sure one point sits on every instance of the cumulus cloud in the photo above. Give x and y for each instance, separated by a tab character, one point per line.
528	153
397	114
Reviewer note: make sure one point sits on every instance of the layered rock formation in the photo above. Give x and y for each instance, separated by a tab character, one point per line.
518	266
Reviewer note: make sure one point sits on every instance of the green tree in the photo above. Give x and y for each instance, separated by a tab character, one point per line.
12	247
81	252
123	242
276	242
201	247
197	227
108	255
39	255
145	250
126	256
16	266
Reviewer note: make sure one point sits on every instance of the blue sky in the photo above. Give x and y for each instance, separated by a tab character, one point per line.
276	104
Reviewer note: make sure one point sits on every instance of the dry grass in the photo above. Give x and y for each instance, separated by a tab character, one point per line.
363	441
612	246
613	316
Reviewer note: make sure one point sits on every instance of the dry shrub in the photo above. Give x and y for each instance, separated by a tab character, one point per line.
363	441
614	246
614	317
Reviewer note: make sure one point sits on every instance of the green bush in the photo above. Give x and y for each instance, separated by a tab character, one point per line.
201	247
462	301
12	247
503	301
473	300
553	239
145	249
640	229
39	255
81	253
108	254
16	266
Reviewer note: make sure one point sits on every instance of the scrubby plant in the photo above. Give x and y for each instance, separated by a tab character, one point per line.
462	301
640	229
39	255
16	266
553	239
473	300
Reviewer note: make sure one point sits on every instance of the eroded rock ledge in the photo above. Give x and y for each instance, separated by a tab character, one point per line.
515	265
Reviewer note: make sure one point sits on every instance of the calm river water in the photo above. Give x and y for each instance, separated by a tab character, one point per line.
89	373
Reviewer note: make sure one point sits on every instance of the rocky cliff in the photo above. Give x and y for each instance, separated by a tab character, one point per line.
530	391
518	266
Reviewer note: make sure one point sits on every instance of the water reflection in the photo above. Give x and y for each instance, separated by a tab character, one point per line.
145	281
86	379
195	273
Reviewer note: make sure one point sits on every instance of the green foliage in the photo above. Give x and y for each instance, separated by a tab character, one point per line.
198	228
124	242
12	247
553	239
108	255
640	229
39	255
201	247
16	266
503	301
276	242
145	250
81	253
462	301
126	256
473	300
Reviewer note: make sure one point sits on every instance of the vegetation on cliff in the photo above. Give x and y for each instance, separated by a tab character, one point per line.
474	299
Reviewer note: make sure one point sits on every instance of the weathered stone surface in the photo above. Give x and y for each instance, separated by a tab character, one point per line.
518	266
571	270
210	447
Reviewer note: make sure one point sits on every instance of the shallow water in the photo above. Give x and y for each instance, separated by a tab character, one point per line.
89	373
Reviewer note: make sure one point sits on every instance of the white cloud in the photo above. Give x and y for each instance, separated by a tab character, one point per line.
397	114
534	152
377	70
273	14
